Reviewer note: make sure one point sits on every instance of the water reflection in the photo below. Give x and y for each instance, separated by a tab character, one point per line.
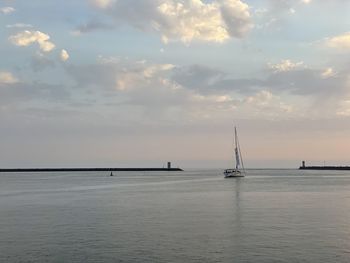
237	223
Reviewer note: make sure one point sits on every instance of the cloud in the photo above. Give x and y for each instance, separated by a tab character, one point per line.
17	95
287	77
207	81
19	25
40	62
261	104
160	91
25	38
265	101
276	12
7	78
200	92
91	26
7	10
286	65
341	42
145	89
22	93
281	7
102	3
344	108
308	82
328	73
185	21
236	17
287	5
119	75
64	56
198	77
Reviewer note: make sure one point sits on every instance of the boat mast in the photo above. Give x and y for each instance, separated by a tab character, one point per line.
236	149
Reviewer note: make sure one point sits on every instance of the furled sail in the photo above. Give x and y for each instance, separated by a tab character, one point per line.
237	158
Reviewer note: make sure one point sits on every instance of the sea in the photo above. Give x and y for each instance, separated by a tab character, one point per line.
190	216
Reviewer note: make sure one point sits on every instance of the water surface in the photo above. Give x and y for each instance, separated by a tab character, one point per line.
191	216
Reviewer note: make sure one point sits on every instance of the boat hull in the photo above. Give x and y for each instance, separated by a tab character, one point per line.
234	176
233	173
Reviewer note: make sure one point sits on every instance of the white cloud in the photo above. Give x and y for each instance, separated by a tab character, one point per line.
212	98
142	77
102	3
64	55
266	103
339	42
7	10
121	74
108	60
186	20
328	73
26	38
7	78
236	17
286	65
19	25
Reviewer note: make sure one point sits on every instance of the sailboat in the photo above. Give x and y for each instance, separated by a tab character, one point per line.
239	170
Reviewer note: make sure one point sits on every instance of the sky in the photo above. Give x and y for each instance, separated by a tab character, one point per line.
99	83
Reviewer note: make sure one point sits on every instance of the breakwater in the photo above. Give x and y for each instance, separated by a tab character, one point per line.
324	168
18	170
